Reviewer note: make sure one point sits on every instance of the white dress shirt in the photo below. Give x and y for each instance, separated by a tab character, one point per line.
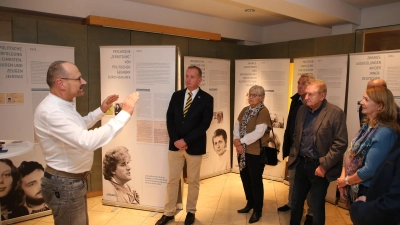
63	134
251	137
194	93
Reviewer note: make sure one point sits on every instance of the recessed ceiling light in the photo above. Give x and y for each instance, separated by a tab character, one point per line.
249	10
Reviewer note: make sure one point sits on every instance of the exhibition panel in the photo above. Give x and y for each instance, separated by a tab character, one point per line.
273	76
143	144
23	86
216	80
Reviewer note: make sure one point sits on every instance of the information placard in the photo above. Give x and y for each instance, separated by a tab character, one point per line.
216	81
331	69
23	69
150	70
363	68
273	75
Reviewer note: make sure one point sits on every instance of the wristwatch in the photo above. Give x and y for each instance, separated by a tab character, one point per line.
346	179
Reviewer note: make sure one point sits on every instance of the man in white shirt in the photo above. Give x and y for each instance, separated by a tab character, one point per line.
67	143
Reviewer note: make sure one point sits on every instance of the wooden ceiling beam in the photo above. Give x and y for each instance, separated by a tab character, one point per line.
147	27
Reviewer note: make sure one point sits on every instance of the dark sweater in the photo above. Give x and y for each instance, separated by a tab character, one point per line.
383	196
288	136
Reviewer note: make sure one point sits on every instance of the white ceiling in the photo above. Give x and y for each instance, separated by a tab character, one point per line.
361	4
325	13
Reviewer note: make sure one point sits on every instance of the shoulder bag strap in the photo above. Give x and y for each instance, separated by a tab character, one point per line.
273	134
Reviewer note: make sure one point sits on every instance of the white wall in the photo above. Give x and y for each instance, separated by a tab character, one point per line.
379	16
293	31
127	10
371	17
343	29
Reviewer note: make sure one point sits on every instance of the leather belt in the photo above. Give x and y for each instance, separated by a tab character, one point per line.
49	172
308	159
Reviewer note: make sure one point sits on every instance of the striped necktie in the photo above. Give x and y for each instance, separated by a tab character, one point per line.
188	103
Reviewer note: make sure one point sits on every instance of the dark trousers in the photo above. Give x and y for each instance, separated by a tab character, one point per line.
305	181
253	186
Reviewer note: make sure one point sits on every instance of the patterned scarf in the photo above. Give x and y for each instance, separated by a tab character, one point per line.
355	155
247	116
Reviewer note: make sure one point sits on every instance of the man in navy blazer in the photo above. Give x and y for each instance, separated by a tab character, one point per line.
187	133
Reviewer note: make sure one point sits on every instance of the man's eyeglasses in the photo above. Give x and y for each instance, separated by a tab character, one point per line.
251	95
77	79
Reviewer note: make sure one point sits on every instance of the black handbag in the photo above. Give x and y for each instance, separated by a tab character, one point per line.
269	155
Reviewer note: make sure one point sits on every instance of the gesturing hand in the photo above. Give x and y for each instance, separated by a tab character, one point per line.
108	102
129	103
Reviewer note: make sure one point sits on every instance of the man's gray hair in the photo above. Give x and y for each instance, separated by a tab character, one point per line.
309	76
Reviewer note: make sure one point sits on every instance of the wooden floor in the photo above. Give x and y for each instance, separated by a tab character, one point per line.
219	199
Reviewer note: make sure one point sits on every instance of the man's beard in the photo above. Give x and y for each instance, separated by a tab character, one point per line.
34	201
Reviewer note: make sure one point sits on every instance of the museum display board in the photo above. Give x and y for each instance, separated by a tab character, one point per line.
273	76
141	148
364	67
216	82
23	69
331	69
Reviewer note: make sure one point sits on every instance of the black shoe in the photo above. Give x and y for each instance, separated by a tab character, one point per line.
165	219
255	217
284	208
308	220
245	209
189	219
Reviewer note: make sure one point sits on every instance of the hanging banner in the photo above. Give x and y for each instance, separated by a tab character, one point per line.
23	69
273	76
364	67
331	69
216	81
135	163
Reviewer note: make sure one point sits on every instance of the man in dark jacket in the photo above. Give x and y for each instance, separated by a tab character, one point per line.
319	142
297	101
381	205
189	115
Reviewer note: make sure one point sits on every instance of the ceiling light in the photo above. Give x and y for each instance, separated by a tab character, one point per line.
249	10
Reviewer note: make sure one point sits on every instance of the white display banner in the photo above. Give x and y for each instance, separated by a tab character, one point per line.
216	81
273	75
23	69
331	69
151	71
364	67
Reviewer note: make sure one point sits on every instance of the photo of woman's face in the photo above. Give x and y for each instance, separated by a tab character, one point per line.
5	179
122	171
